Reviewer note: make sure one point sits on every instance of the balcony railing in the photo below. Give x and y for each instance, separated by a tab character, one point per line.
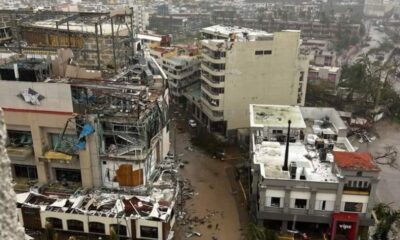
356	191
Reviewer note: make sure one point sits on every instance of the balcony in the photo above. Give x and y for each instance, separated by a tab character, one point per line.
212	71
213	56
211	105
212	80
214	116
212	94
356	191
23	153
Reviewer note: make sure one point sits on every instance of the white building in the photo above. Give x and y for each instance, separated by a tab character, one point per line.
315	181
241	66
182	71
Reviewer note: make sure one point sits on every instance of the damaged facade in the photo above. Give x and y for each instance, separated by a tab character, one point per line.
83	127
145	214
98	39
307	172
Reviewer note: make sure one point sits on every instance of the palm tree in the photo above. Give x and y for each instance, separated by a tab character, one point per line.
254	232
388	221
257	232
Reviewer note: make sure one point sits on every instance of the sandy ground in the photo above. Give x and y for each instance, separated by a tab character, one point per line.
214	198
389	186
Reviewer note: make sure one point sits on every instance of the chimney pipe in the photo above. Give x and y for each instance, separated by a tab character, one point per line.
285	165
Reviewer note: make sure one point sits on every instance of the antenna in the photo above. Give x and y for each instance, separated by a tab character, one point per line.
285	165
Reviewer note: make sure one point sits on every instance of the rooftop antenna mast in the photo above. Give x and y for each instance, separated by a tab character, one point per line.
285	165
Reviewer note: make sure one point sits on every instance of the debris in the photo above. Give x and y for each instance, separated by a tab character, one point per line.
193	233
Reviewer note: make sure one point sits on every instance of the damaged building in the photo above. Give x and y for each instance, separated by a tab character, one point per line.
99	39
70	127
130	215
307	176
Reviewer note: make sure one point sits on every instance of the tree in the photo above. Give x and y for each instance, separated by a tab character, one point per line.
388	222
257	232
50	233
113	235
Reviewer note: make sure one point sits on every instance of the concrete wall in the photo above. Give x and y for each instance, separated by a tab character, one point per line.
41	120
262	79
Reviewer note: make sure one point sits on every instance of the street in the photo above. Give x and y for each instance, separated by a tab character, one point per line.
213	209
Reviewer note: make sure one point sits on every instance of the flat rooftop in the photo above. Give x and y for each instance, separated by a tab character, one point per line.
240	32
271	156
276	116
75	26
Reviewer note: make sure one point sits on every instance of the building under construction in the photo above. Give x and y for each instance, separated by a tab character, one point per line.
98	39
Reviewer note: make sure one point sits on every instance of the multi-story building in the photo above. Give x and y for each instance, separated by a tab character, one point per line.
79	128
306	175
327	76
240	66
99	39
168	24
182	72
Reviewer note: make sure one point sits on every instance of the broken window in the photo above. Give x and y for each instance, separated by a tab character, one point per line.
353	207
19	138
25	171
56	223
148	232
75	225
69	175
275	202
62	143
97	227
300	203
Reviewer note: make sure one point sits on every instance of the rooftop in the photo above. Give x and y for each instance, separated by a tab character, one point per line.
156	203
306	157
240	33
276	116
355	161
81	26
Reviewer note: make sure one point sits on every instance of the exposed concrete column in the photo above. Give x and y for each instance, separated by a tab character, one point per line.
286	201
38	143
263	199
284	226
311	205
339	194
372	194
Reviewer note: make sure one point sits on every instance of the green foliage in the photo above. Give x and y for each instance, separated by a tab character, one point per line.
50	233
388	218
257	232
113	234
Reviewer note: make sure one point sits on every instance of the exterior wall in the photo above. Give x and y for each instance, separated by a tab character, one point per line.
85	219
314	193
165	142
142	222
264	79
41	120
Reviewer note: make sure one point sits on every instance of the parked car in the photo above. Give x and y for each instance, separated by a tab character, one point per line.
192	123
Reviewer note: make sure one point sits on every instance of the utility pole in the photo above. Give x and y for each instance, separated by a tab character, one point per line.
175	153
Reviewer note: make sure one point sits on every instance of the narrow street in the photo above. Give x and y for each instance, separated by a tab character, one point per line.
213	208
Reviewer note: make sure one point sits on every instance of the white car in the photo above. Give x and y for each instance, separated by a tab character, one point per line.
192	123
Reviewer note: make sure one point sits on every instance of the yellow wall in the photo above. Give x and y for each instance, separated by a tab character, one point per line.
261	79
